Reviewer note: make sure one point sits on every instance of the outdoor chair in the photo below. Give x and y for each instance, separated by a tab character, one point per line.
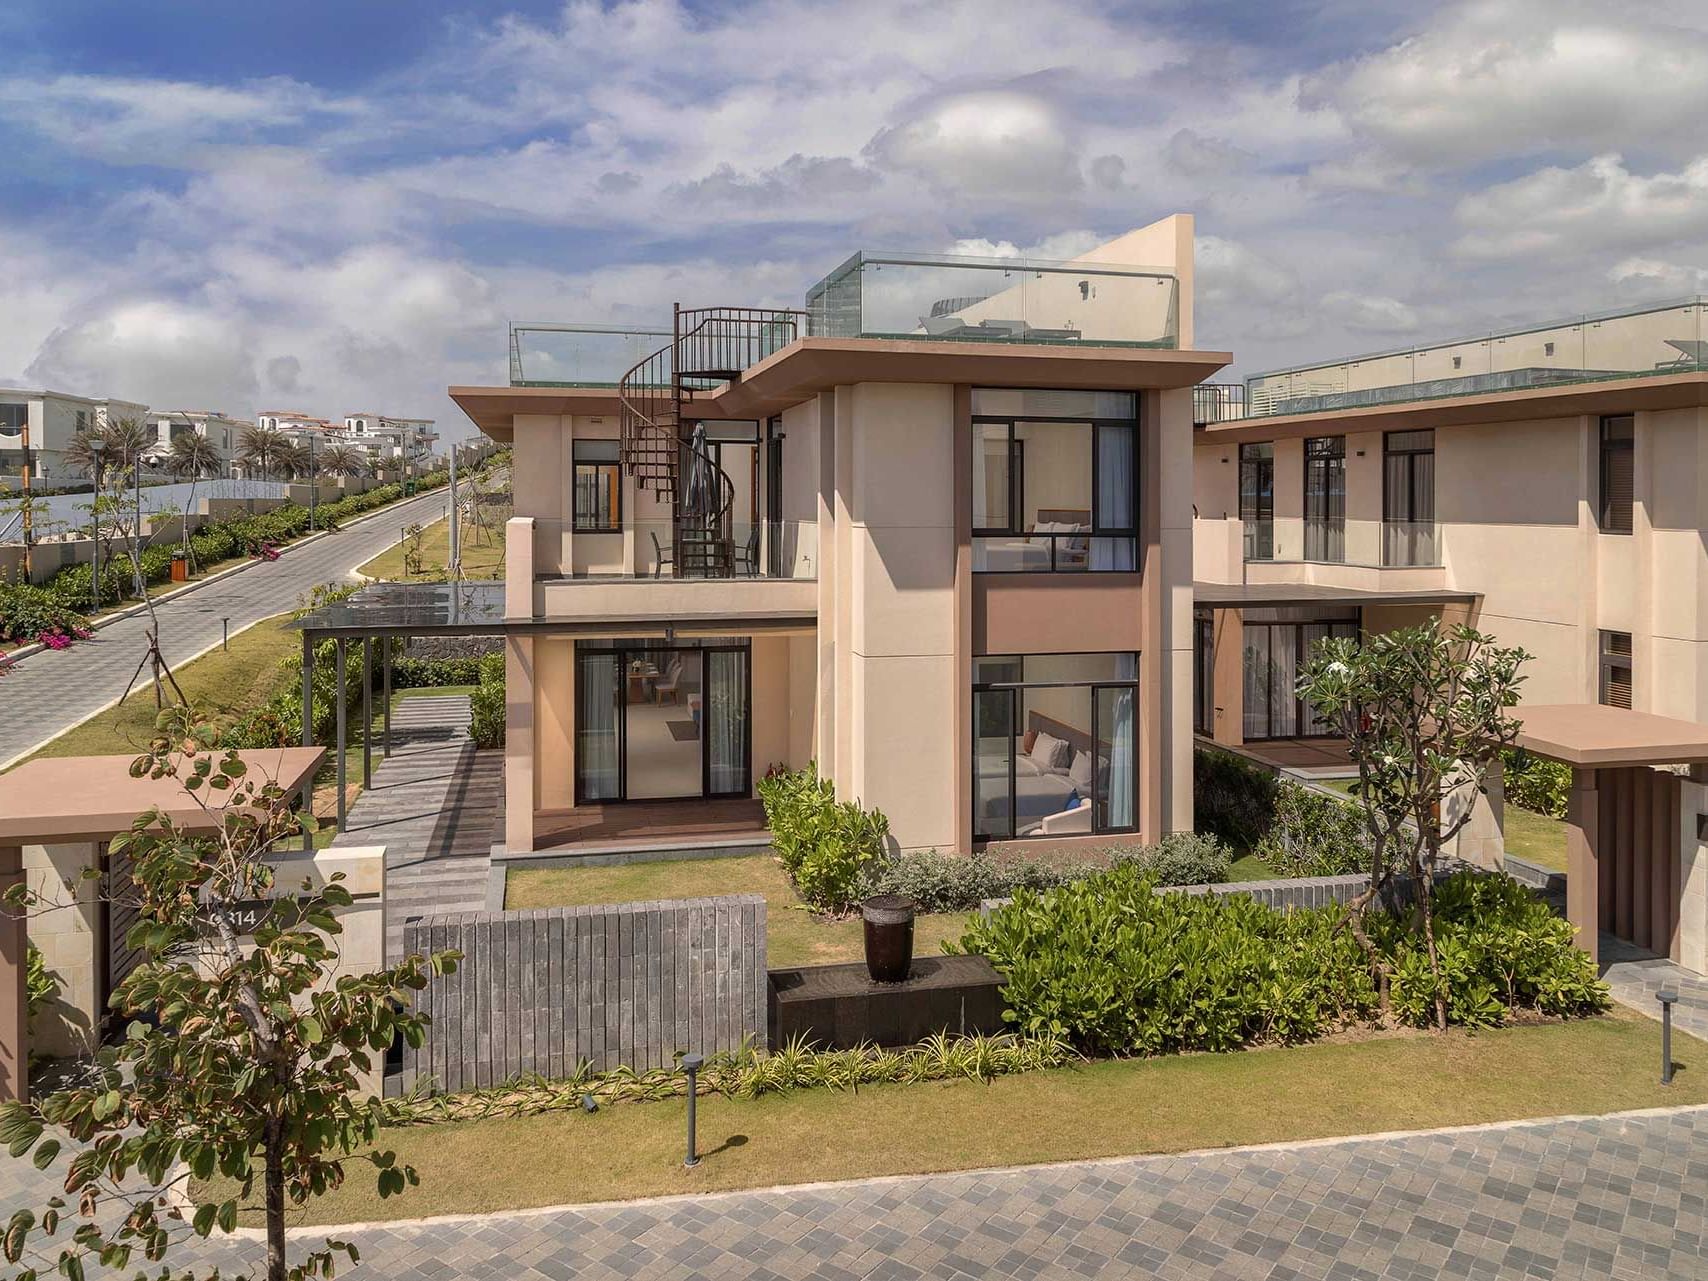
660	557
667	684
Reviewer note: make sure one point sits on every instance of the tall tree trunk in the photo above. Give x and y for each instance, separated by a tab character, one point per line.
1426	906
275	1192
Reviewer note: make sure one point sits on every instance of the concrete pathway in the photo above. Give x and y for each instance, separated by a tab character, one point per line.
434	805
49	692
1608	1197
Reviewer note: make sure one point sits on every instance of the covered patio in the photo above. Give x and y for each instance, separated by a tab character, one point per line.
1637	815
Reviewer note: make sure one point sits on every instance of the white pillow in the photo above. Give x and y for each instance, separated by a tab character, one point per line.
1042	527
1050	752
1079	774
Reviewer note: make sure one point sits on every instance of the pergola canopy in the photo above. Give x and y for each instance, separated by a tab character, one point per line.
1592	736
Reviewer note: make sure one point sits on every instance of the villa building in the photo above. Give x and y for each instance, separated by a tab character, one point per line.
931	530
52	419
220	431
1547	483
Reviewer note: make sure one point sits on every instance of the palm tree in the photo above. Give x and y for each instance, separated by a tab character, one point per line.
295	462
261	449
126	439
192	455
343	460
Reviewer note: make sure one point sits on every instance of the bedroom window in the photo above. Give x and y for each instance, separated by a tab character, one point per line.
598	495
1055	745
1054	481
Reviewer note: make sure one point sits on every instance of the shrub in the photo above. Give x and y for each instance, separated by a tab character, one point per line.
1314	835
28	611
1501	949
1232	799
1536	783
825	844
430	673
486	714
952	883
1116	967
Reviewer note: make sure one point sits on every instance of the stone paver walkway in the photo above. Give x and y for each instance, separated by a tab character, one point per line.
49	692
1635	976
434	805
1607	1197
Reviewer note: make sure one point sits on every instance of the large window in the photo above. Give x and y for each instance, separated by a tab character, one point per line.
1408	498
1054	481
1325	498
598	500
1277	643
1203	672
1615	688
1618	441
13	420
1257	499
1055	745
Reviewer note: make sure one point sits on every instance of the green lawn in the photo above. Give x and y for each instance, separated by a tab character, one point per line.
1178	1103
1536	838
1249	867
794	936
483	556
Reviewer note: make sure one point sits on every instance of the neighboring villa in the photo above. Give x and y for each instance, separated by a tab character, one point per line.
52	418
219	430
1546	483
388	442
931	531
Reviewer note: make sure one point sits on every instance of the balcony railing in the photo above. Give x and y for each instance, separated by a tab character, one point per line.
1660	338
962	298
543	354
1259	539
646	549
1325	540
1217	402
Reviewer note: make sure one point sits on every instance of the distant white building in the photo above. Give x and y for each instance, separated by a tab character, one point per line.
220	431
53	418
392	439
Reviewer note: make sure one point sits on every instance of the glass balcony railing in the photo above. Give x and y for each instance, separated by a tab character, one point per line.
962	298
1409	543
1660	338
543	354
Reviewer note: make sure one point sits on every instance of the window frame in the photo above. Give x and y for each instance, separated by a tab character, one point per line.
1015	690
1319	465
1606	450
599	466
1610	659
1016	454
1411	454
1255	518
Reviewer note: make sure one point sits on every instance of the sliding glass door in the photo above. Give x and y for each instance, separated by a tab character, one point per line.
598	726
728	726
1275	654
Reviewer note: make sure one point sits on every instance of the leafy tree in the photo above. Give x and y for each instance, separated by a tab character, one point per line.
1424	713
243	1058
343	460
192	456
262	449
121	442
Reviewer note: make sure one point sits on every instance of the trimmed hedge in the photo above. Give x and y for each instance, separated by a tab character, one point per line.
826	845
952	883
1535	783
1118	968
486	704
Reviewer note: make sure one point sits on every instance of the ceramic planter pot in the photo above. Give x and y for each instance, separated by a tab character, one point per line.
888	922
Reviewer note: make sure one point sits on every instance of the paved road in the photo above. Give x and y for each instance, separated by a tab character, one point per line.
1610	1197
51	691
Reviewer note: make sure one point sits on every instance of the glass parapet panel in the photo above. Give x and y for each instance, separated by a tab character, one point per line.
1656	339
543	354
961	298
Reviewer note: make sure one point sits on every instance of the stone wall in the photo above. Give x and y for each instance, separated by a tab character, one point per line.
540	991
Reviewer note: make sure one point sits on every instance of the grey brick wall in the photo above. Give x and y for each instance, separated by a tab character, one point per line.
1303	891
622	983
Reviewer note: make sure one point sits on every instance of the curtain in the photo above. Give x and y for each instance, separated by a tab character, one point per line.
1113	502
596	725
1115	727
1256	717
1283	680
726	729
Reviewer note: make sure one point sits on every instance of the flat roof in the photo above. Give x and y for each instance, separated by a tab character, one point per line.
808	366
67	798
1566	400
1589	734
1238	595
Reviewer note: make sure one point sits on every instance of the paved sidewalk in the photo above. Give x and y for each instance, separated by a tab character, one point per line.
51	691
434	805
1607	1197
1635	976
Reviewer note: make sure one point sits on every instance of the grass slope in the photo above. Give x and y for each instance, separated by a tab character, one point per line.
481	559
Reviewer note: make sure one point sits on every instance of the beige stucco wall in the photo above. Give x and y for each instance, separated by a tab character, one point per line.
66	933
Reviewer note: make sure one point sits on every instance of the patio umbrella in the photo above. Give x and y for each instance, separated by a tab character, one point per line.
700	497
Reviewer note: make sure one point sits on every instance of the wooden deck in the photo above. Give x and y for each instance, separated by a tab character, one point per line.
652	825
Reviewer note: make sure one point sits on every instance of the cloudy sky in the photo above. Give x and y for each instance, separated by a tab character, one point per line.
338	204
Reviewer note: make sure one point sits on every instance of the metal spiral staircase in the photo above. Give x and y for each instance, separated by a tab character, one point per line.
663	445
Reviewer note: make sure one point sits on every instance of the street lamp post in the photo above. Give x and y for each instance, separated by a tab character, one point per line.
98	447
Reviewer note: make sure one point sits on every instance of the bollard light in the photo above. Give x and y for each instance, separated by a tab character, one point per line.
225	633
1666	996
691	1065
589	1104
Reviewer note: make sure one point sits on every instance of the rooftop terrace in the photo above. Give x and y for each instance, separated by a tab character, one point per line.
1656	338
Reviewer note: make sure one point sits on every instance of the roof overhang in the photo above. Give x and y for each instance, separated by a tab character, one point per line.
494	409
1617	396
1591	736
808	366
92	798
1275	595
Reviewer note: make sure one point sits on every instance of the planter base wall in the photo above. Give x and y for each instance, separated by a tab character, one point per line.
838	1006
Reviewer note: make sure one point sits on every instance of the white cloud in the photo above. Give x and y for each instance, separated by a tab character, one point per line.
1514	77
1370	313
1597	206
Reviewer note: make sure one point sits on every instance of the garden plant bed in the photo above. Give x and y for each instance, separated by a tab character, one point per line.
481	559
794	934
1344	1085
